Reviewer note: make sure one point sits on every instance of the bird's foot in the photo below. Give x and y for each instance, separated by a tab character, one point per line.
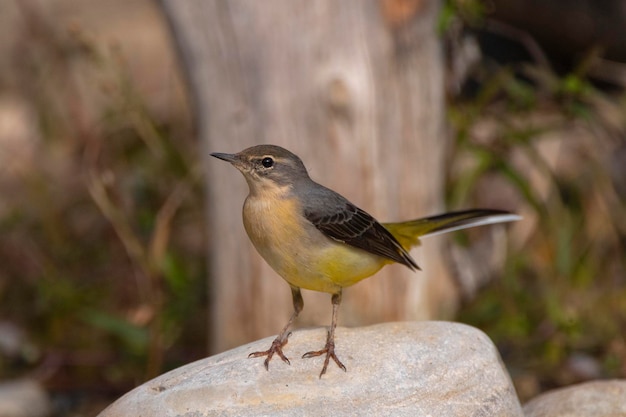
329	351
276	348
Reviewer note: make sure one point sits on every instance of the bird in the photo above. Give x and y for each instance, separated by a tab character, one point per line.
316	239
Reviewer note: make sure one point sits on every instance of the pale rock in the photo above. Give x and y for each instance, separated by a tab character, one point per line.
590	399
23	398
394	369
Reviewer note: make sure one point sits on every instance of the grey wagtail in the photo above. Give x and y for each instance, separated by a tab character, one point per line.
317	240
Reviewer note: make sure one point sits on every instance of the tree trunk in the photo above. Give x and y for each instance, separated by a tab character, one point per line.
355	88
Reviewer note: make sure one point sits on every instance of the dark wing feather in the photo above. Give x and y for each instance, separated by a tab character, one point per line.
349	224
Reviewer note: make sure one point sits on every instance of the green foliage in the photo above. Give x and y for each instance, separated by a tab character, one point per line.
562	294
468	11
131	338
102	238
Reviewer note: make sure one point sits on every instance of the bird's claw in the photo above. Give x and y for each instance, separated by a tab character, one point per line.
329	351
276	348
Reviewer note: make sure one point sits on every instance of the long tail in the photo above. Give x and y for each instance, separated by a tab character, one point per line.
408	233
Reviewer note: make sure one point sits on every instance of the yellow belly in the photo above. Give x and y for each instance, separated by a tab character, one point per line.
299	252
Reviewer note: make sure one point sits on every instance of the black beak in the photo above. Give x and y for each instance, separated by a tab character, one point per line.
228	157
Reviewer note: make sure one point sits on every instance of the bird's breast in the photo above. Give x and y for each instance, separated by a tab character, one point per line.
279	233
272	225
298	251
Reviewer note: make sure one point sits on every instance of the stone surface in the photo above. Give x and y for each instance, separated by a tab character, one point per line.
597	399
397	369
23	398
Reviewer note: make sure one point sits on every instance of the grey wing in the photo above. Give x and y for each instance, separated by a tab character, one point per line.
347	223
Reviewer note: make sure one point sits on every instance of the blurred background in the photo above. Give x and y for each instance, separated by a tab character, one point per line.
103	242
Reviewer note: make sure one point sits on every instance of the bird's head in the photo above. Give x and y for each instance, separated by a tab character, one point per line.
267	167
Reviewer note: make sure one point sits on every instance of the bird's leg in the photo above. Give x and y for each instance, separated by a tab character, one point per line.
281	339
329	349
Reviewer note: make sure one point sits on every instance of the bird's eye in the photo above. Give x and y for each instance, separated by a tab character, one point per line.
267	162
